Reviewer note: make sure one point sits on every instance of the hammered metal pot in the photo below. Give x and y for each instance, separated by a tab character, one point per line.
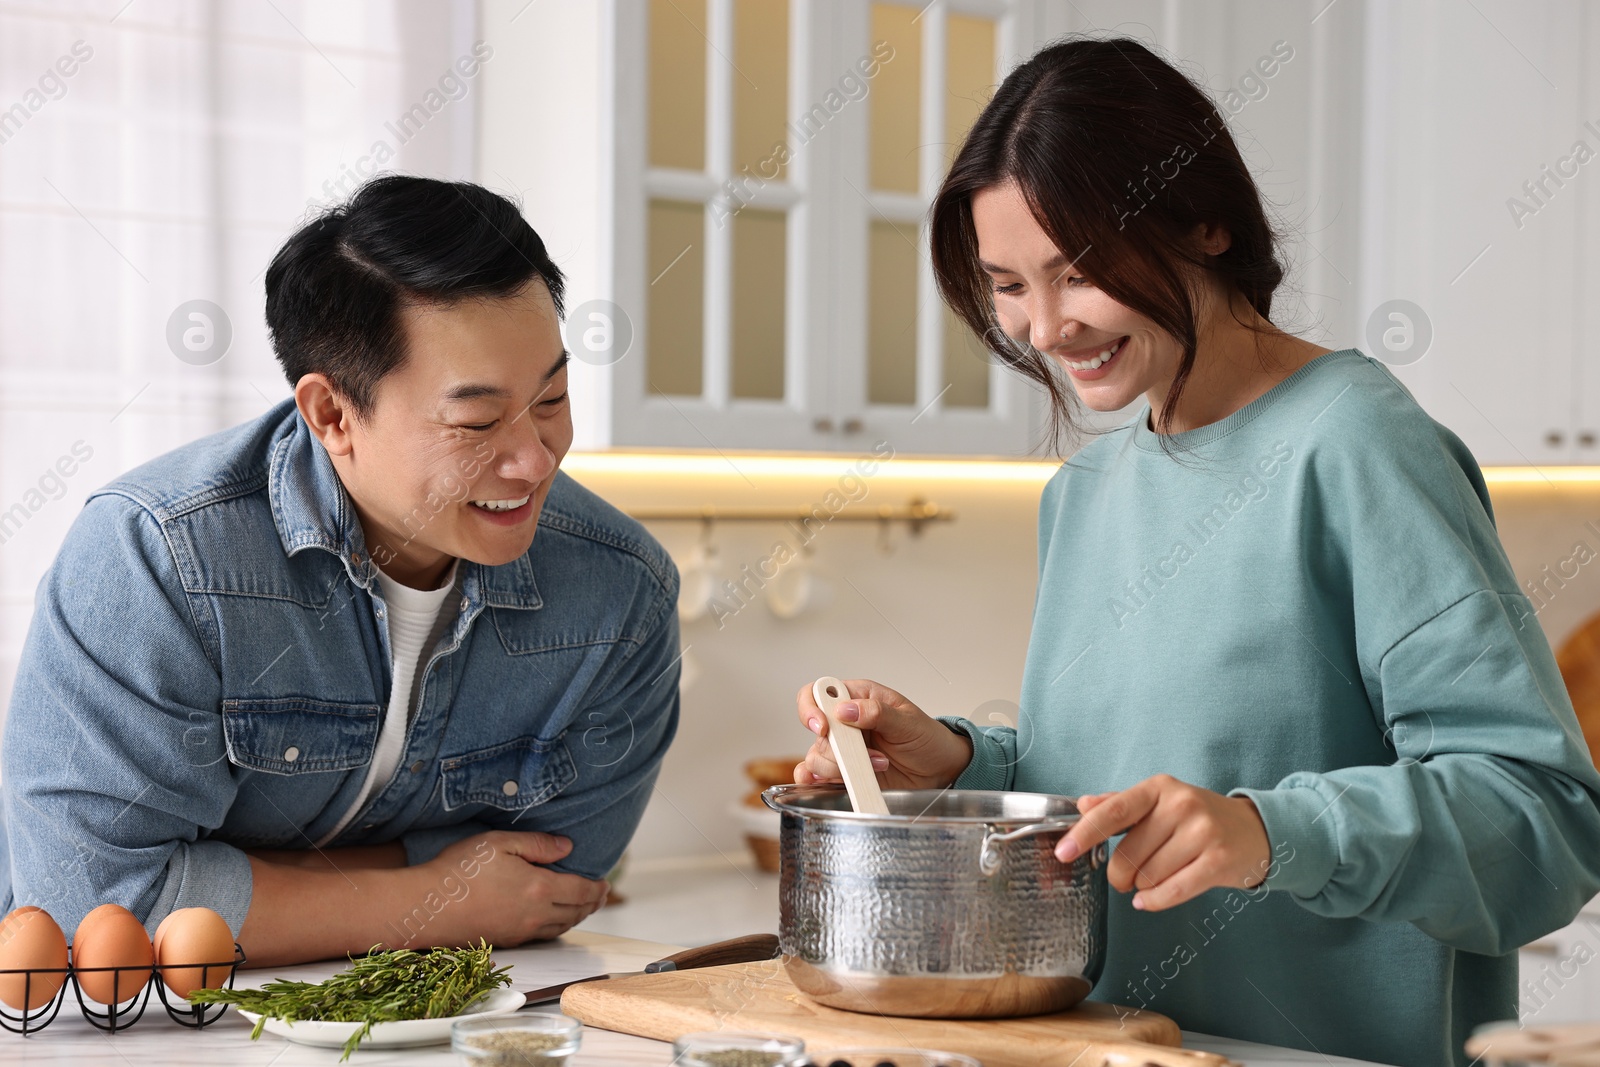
952	906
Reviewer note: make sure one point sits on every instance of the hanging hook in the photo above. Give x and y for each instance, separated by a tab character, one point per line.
919	514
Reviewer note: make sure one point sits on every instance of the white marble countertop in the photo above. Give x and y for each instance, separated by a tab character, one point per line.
156	1040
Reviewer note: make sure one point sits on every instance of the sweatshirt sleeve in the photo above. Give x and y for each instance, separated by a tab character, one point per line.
994	754
1484	833
1483	830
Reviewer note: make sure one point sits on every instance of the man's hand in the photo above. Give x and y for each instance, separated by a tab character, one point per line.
1181	840
514	898
491	886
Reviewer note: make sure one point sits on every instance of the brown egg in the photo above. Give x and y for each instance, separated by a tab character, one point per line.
111	936
31	940
192	936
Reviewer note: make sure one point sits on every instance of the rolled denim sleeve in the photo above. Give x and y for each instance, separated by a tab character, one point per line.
422	845
617	748
112	764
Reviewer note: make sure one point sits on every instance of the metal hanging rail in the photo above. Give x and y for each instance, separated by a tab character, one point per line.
916	514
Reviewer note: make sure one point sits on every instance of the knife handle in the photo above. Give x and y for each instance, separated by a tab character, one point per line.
751	948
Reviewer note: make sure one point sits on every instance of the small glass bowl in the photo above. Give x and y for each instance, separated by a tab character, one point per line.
721	1048
900	1057
522	1039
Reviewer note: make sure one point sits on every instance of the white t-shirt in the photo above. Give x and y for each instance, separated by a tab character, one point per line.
415	618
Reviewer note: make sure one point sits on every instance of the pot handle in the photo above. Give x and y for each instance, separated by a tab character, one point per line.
989	857
770	794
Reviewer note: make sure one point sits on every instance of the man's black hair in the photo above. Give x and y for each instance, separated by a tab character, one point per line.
336	288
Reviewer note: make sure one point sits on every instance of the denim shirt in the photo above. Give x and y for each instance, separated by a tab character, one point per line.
208	666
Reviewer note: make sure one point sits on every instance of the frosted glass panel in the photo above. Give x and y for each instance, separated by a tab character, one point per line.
966	371
892	313
676	262
759	242
969	74
895	103
969	82
760	86
678	84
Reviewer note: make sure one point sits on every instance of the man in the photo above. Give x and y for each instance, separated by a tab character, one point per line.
317	672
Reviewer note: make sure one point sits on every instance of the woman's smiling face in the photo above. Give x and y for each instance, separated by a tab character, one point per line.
1041	299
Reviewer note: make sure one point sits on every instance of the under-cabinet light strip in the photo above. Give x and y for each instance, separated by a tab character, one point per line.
750	465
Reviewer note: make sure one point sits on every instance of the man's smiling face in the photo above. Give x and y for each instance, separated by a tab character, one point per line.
465	436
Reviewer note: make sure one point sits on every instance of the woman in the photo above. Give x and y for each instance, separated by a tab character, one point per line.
1277	643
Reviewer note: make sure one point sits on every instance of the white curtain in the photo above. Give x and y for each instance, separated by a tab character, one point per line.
157	152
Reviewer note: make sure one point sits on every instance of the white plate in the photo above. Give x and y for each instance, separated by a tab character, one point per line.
407	1034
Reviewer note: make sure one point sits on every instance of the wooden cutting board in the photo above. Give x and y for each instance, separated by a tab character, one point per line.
759	997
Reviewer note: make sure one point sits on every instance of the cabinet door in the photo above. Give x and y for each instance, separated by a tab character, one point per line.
906	371
1469	111
1586	350
718	246
779	299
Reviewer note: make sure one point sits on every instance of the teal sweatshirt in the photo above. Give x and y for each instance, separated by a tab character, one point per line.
1306	604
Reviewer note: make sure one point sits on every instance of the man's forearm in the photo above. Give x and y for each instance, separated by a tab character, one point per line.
299	914
352	857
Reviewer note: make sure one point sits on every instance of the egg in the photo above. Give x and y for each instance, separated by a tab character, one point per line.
111	936
31	940
193	936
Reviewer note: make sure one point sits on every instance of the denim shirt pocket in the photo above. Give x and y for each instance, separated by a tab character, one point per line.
297	735
511	776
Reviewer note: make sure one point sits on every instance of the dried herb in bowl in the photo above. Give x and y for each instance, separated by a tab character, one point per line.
380	987
516	1049
740	1057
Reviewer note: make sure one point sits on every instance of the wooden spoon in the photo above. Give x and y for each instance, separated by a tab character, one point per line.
849	749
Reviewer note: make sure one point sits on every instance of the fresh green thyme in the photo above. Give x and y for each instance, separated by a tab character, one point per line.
379	987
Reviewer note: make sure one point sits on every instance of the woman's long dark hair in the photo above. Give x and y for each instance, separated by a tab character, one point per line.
1120	156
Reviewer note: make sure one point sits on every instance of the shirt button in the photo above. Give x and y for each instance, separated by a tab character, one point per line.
416	768
291	754
465	604
379	611
509	789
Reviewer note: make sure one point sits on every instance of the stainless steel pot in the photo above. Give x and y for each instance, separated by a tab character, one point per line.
951	906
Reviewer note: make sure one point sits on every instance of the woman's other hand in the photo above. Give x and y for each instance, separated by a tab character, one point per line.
1181	840
909	748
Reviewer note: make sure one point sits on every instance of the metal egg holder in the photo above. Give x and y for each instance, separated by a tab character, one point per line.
123	1014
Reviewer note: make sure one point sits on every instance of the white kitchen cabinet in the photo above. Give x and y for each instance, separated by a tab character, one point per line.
1390	149
1471	110
1586	277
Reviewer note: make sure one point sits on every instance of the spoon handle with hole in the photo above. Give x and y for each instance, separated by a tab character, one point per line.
849	749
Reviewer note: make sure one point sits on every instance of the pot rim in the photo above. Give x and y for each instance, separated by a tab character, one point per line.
773	795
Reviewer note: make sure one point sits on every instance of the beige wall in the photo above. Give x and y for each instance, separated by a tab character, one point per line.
1547	534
